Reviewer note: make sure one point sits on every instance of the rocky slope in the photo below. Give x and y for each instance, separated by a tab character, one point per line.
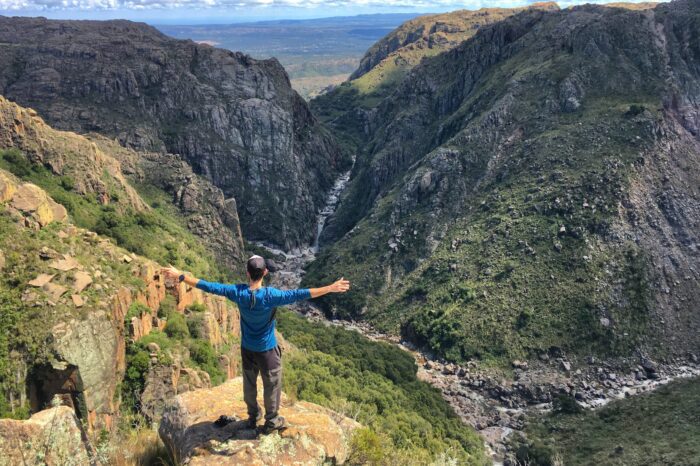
102	171
314	435
351	107
78	309
532	191
425	36
76	303
234	119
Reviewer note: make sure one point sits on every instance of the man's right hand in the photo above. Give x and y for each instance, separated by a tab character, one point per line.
340	286
170	272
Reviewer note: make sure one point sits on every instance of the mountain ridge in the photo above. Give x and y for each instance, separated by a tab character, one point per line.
236	120
526	159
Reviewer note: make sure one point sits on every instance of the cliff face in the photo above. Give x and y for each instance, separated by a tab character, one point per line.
533	188
235	120
77	313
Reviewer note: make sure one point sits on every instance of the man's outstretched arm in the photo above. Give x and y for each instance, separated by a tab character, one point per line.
283	298
220	289
340	286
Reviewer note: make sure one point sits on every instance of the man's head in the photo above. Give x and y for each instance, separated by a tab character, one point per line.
256	268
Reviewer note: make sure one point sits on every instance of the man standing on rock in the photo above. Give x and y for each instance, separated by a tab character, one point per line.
259	350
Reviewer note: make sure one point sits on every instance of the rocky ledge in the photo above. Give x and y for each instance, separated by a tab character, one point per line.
315	435
52	437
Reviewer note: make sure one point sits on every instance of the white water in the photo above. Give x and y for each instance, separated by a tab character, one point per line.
332	201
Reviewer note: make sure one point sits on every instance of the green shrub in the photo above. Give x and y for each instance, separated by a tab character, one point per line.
366	447
67	183
136	310
195	324
19	165
176	327
204	356
196	307
566	404
167	307
137	363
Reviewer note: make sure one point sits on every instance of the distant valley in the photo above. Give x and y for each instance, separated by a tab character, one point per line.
316	53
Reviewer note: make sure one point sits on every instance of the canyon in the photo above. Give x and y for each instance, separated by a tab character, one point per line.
513	194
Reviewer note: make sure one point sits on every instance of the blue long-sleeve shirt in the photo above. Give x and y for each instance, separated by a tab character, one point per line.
256	308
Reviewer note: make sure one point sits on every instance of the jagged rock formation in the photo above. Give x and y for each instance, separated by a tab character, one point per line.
236	120
99	167
66	154
315	435
532	191
80	288
52	437
32	201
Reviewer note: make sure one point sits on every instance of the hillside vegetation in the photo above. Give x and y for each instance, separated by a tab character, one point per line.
531	189
408	421
655	428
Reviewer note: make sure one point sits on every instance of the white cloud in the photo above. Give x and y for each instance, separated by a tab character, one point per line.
9	5
103	5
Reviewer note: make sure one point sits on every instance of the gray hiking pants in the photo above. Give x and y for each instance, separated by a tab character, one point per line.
269	365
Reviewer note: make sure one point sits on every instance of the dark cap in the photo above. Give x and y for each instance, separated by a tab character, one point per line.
256	266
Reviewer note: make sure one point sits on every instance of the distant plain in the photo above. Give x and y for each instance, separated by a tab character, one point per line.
316	53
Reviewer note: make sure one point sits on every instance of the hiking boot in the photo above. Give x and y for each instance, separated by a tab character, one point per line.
273	425
253	420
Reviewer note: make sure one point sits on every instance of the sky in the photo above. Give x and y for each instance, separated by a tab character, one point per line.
230	11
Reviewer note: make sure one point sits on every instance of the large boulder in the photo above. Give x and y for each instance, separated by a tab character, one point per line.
315	435
32	201
51	437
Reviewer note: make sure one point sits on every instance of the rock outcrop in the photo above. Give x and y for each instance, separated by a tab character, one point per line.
32	201
81	289
91	170
315	435
236	120
52	437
